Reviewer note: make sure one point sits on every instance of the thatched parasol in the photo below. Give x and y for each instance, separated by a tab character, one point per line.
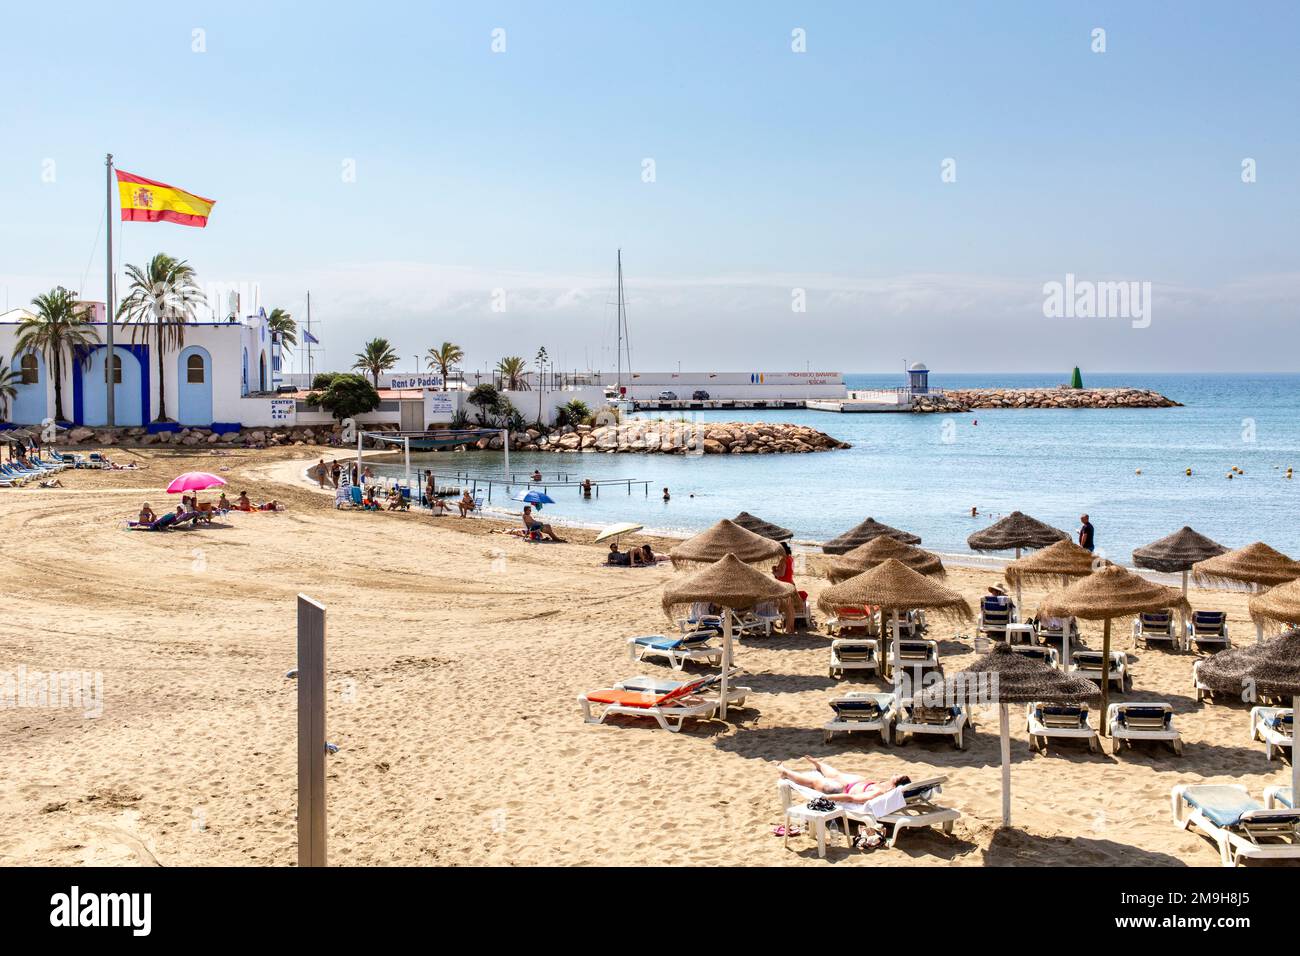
734	585
1272	668
1256	564
724	538
1004	676
1064	559
765	528
864	532
1178	552
866	556
1017	530
894	587
1056	562
1280	605
1107	594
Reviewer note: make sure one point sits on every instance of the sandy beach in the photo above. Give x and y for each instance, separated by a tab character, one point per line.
455	655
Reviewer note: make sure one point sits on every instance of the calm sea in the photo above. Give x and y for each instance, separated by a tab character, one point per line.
924	473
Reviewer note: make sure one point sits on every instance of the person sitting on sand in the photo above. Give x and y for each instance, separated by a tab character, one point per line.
223	503
533	526
617	558
466	503
244	504
838	786
146	514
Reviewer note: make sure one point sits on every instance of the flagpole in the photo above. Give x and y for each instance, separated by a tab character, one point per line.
108	287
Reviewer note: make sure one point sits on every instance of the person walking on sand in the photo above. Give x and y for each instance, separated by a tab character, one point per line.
335	470
1087	534
784	571
320	472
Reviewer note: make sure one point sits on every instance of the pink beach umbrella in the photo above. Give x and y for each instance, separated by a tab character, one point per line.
193	481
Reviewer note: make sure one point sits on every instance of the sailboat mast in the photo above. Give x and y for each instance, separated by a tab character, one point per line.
311	368
618	381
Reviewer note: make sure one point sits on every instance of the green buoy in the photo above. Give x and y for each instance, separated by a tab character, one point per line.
1076	380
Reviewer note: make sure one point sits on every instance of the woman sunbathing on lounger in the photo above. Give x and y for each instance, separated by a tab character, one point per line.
838	786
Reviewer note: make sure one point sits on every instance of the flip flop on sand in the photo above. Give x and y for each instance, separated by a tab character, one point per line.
781	831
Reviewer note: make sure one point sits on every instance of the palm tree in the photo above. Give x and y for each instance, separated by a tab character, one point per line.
60	325
162	299
376	357
281	324
443	358
511	370
8	388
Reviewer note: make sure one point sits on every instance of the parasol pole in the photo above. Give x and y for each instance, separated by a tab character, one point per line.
1005	732
1295	771
1259	625
1182	614
726	656
1105	676
894	648
1065	633
1017	584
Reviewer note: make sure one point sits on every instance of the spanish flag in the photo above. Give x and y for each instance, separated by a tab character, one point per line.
146	200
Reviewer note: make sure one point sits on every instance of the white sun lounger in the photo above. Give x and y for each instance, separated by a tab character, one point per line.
1279	797
1087	664
861	710
736	696
760	620
1142	721
1039	652
915	653
794	808
907	807
1053	629
1066	721
914	718
849	623
1208	628
918	810
1275	726
854	654
701	618
995	615
1241	826
1157	628
692	646
669	710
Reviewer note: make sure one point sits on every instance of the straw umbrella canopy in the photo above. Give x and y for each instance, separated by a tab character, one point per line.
866	556
895	587
734	585
1006	677
1273	667
1178	552
1052	565
1017	530
1256	564
724	538
1064	559
864	532
1107	594
765	528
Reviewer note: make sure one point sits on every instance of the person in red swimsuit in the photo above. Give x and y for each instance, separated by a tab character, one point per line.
784	571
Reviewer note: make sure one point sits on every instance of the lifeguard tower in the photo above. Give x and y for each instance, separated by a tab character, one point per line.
918	379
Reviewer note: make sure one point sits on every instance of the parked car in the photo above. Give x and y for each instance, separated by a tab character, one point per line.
699	395
667	396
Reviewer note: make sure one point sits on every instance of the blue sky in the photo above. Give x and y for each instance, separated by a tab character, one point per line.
774	171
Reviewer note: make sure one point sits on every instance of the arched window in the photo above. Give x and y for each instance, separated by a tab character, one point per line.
31	370
194	370
115	363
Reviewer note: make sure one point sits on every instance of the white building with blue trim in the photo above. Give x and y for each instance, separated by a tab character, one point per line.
223	376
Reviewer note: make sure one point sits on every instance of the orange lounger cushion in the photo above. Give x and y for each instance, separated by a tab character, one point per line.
626	698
